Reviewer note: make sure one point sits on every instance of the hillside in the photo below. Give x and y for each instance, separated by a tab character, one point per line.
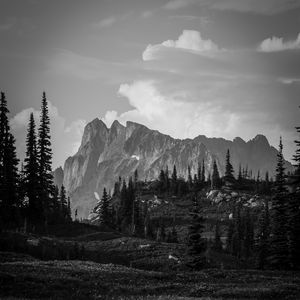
107	153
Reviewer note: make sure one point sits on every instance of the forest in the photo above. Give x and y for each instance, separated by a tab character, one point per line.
235	221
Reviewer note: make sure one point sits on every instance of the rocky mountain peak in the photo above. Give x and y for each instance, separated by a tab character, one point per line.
260	140
105	154
93	131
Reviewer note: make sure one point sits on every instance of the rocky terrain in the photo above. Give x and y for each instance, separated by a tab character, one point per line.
107	153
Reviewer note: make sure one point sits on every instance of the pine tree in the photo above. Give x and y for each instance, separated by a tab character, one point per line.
174	181
263	248
279	257
196	244
248	237
296	156
240	176
215	180
162	182
294	213
167	179
229	239
229	178
45	160
31	177
9	177
11	201
104	214
190	179
69	210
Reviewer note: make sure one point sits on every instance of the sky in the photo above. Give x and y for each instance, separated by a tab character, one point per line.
220	68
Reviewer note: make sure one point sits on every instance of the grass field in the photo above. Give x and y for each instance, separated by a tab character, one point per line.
89	280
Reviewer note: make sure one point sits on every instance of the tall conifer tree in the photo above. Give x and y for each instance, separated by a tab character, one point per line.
31	176
9	205
45	159
279	257
228	169
196	244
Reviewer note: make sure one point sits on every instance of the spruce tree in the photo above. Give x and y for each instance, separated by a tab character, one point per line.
9	177
294	212
248	236
190	179
296	156
229	178
263	247
45	160
196	244
162	182
31	177
104	216
174	181
215	179
10	201
279	257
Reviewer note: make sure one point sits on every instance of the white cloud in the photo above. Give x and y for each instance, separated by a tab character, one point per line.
182	118
289	80
189	40
266	7
176	4
109	117
275	44
65	139
175	117
107	22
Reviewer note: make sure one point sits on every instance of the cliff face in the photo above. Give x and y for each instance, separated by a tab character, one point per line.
105	154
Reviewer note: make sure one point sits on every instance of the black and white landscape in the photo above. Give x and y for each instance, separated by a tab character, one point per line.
149	149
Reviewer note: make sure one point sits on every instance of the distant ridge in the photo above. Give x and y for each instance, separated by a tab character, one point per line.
107	153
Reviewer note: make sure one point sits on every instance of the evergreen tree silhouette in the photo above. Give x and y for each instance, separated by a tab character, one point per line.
228	169
45	161
196	244
9	177
31	177
215	179
279	257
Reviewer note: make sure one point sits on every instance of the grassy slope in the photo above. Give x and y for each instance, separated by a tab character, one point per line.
88	280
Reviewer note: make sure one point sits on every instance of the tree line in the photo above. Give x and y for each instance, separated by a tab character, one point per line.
270	239
29	200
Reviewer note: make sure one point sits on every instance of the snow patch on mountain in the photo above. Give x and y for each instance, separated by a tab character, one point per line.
135	157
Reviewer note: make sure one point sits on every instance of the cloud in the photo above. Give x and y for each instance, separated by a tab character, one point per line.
146	14
107	22
266	7
176	4
109	117
226	116
189	40
163	112
65	139
289	80
275	44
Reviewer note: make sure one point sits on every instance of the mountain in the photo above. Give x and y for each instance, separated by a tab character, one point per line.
58	177
107	153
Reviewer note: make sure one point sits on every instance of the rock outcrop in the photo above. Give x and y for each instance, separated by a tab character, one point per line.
107	153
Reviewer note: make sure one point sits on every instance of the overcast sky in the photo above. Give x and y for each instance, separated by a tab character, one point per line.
221	68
